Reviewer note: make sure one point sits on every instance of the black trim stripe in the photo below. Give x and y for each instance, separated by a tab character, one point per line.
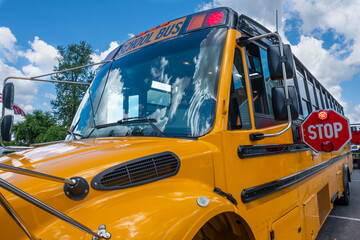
249	151
254	193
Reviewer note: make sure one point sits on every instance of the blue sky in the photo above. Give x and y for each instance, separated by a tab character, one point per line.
324	35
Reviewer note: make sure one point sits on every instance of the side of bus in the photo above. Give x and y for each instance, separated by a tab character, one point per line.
280	187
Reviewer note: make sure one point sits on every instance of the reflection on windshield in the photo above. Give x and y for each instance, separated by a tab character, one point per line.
173	82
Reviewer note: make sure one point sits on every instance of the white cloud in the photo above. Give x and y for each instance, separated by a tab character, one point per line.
31	70
326	67
41	54
7	44
340	18
27	107
131	35
49	95
7	39
100	57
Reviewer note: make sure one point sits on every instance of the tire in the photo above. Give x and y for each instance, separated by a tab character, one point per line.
345	198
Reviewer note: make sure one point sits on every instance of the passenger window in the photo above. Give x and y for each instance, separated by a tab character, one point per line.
319	97
312	94
303	95
325	98
261	82
239	114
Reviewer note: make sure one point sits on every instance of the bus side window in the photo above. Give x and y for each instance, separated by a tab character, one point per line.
305	104
239	114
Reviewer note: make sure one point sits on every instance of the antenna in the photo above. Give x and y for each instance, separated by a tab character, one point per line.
277	24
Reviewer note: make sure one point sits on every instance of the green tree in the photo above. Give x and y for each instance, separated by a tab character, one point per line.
38	127
69	95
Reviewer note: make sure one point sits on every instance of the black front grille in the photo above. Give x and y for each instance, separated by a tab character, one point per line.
136	172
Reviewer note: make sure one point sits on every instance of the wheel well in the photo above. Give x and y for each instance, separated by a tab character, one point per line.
227	225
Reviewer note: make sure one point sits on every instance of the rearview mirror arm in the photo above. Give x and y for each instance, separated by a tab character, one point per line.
36	78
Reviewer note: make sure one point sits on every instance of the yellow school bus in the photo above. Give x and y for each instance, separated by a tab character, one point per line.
179	136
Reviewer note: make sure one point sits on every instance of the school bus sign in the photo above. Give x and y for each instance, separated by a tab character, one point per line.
325	131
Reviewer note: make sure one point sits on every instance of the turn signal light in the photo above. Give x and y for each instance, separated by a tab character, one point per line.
323	115
327	146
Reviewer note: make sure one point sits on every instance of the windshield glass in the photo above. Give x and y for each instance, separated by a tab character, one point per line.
172	85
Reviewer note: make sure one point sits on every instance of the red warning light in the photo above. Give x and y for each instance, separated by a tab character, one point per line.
323	115
214	18
327	146
141	34
164	24
152	29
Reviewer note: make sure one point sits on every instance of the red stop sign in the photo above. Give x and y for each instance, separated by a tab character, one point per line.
325	131
355	137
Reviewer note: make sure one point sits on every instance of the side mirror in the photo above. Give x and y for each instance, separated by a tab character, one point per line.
279	103
6	125
275	60
8	95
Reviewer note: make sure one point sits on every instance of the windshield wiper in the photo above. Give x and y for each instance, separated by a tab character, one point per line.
141	120
135	120
73	135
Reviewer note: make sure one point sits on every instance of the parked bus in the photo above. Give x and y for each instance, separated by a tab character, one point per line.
179	136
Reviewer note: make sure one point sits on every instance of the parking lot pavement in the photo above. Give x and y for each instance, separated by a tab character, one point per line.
343	222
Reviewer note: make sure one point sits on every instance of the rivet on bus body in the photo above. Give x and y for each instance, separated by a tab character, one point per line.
203	201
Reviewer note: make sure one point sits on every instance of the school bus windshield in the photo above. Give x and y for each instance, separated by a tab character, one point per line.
172	83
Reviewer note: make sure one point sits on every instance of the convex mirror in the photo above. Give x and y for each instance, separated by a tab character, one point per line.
8	95
6	125
279	103
275	60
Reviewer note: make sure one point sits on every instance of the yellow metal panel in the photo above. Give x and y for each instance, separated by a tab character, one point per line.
312	223
288	226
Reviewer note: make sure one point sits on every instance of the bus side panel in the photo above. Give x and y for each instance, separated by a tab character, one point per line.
288	226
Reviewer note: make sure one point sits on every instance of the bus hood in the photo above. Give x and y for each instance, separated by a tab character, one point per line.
87	158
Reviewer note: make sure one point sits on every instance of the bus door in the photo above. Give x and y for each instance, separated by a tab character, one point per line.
251	164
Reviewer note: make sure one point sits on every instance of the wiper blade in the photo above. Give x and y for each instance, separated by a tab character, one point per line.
135	120
73	135
141	120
